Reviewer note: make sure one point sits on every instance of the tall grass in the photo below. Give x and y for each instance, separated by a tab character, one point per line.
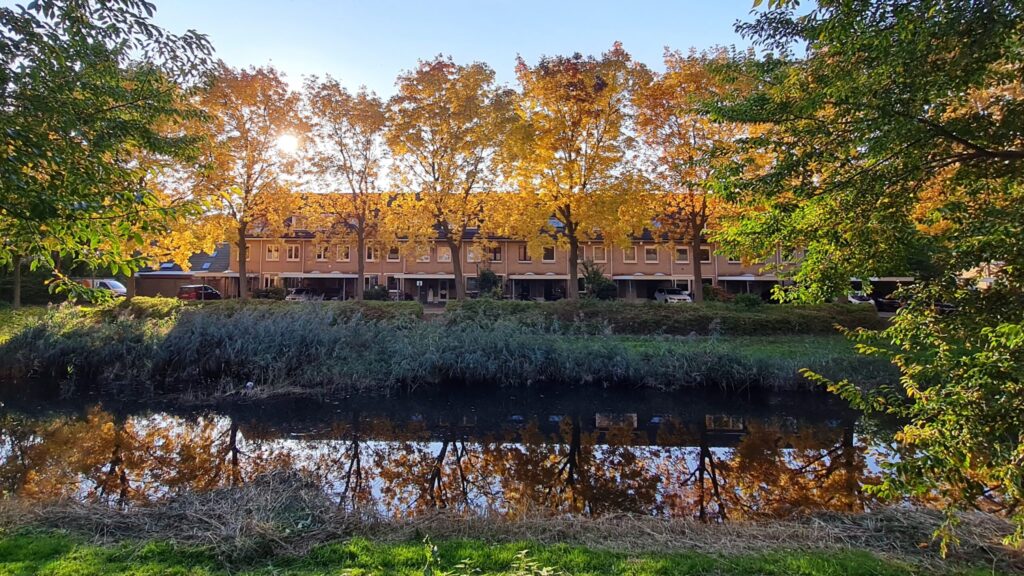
327	349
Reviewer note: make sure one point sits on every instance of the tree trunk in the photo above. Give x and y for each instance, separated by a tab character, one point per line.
698	277
360	264
131	286
460	285
243	275
572	291
16	290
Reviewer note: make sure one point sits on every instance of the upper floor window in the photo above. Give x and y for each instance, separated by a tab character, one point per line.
393	255
734	260
682	255
344	253
629	254
294	252
705	255
444	254
651	255
524	253
598	253
495	254
549	254
321	253
371	255
425	257
471	254
273	252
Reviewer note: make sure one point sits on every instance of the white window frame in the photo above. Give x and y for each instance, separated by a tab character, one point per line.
657	255
629	260
710	256
685	249
495	254
344	253
398	255
273	253
734	260
594	252
371	254
321	252
424	257
683	284
581	255
288	252
471	254
444	254
544	259
523	251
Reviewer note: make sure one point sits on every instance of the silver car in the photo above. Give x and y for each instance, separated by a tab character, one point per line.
671	296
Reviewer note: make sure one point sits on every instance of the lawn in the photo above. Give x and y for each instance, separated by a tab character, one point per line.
12	321
56	554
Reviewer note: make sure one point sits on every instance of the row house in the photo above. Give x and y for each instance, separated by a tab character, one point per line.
428	276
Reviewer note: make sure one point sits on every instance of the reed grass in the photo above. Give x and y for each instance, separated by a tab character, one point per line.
320	349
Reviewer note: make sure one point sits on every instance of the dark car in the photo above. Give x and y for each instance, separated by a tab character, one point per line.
198	292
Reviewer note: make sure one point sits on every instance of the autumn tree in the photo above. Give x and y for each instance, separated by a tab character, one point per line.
348	151
87	86
568	157
688	154
244	178
445	125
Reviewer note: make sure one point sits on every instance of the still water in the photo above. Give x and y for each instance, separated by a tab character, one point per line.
510	453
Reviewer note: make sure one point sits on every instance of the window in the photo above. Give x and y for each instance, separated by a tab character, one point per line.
444	254
682	255
321	253
269	281
370	281
495	255
705	255
549	254
273	252
424	257
344	253
471	254
371	255
683	285
392	282
581	255
651	255
524	253
598	254
293	253
581	285
629	254
393	255
472	284
734	260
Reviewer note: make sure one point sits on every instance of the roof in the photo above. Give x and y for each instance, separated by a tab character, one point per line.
219	261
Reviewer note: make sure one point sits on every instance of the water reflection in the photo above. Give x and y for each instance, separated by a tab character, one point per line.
714	459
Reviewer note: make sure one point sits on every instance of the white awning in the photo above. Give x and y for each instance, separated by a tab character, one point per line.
223	274
549	276
751	278
175	273
651	277
425	276
338	275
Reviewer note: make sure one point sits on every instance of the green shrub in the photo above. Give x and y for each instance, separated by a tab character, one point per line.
747	300
272	293
623	317
376	293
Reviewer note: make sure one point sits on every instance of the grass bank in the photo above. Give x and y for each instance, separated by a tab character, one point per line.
160	346
13	321
279	524
49	553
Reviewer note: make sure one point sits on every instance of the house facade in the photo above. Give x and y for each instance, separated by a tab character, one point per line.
427	274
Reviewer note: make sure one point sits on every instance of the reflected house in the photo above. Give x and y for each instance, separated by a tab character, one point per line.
426	274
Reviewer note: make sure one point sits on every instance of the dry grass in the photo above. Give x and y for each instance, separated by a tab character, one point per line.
280	514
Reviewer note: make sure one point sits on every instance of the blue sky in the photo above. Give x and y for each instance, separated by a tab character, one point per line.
370	42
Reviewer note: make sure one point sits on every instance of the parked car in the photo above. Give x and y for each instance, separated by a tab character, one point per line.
671	296
888	304
104	284
302	295
860	298
198	292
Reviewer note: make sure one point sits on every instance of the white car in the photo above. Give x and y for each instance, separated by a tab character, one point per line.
860	298
671	295
110	284
302	295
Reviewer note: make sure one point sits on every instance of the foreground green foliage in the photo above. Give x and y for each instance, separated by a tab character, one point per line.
42	553
153	346
896	148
